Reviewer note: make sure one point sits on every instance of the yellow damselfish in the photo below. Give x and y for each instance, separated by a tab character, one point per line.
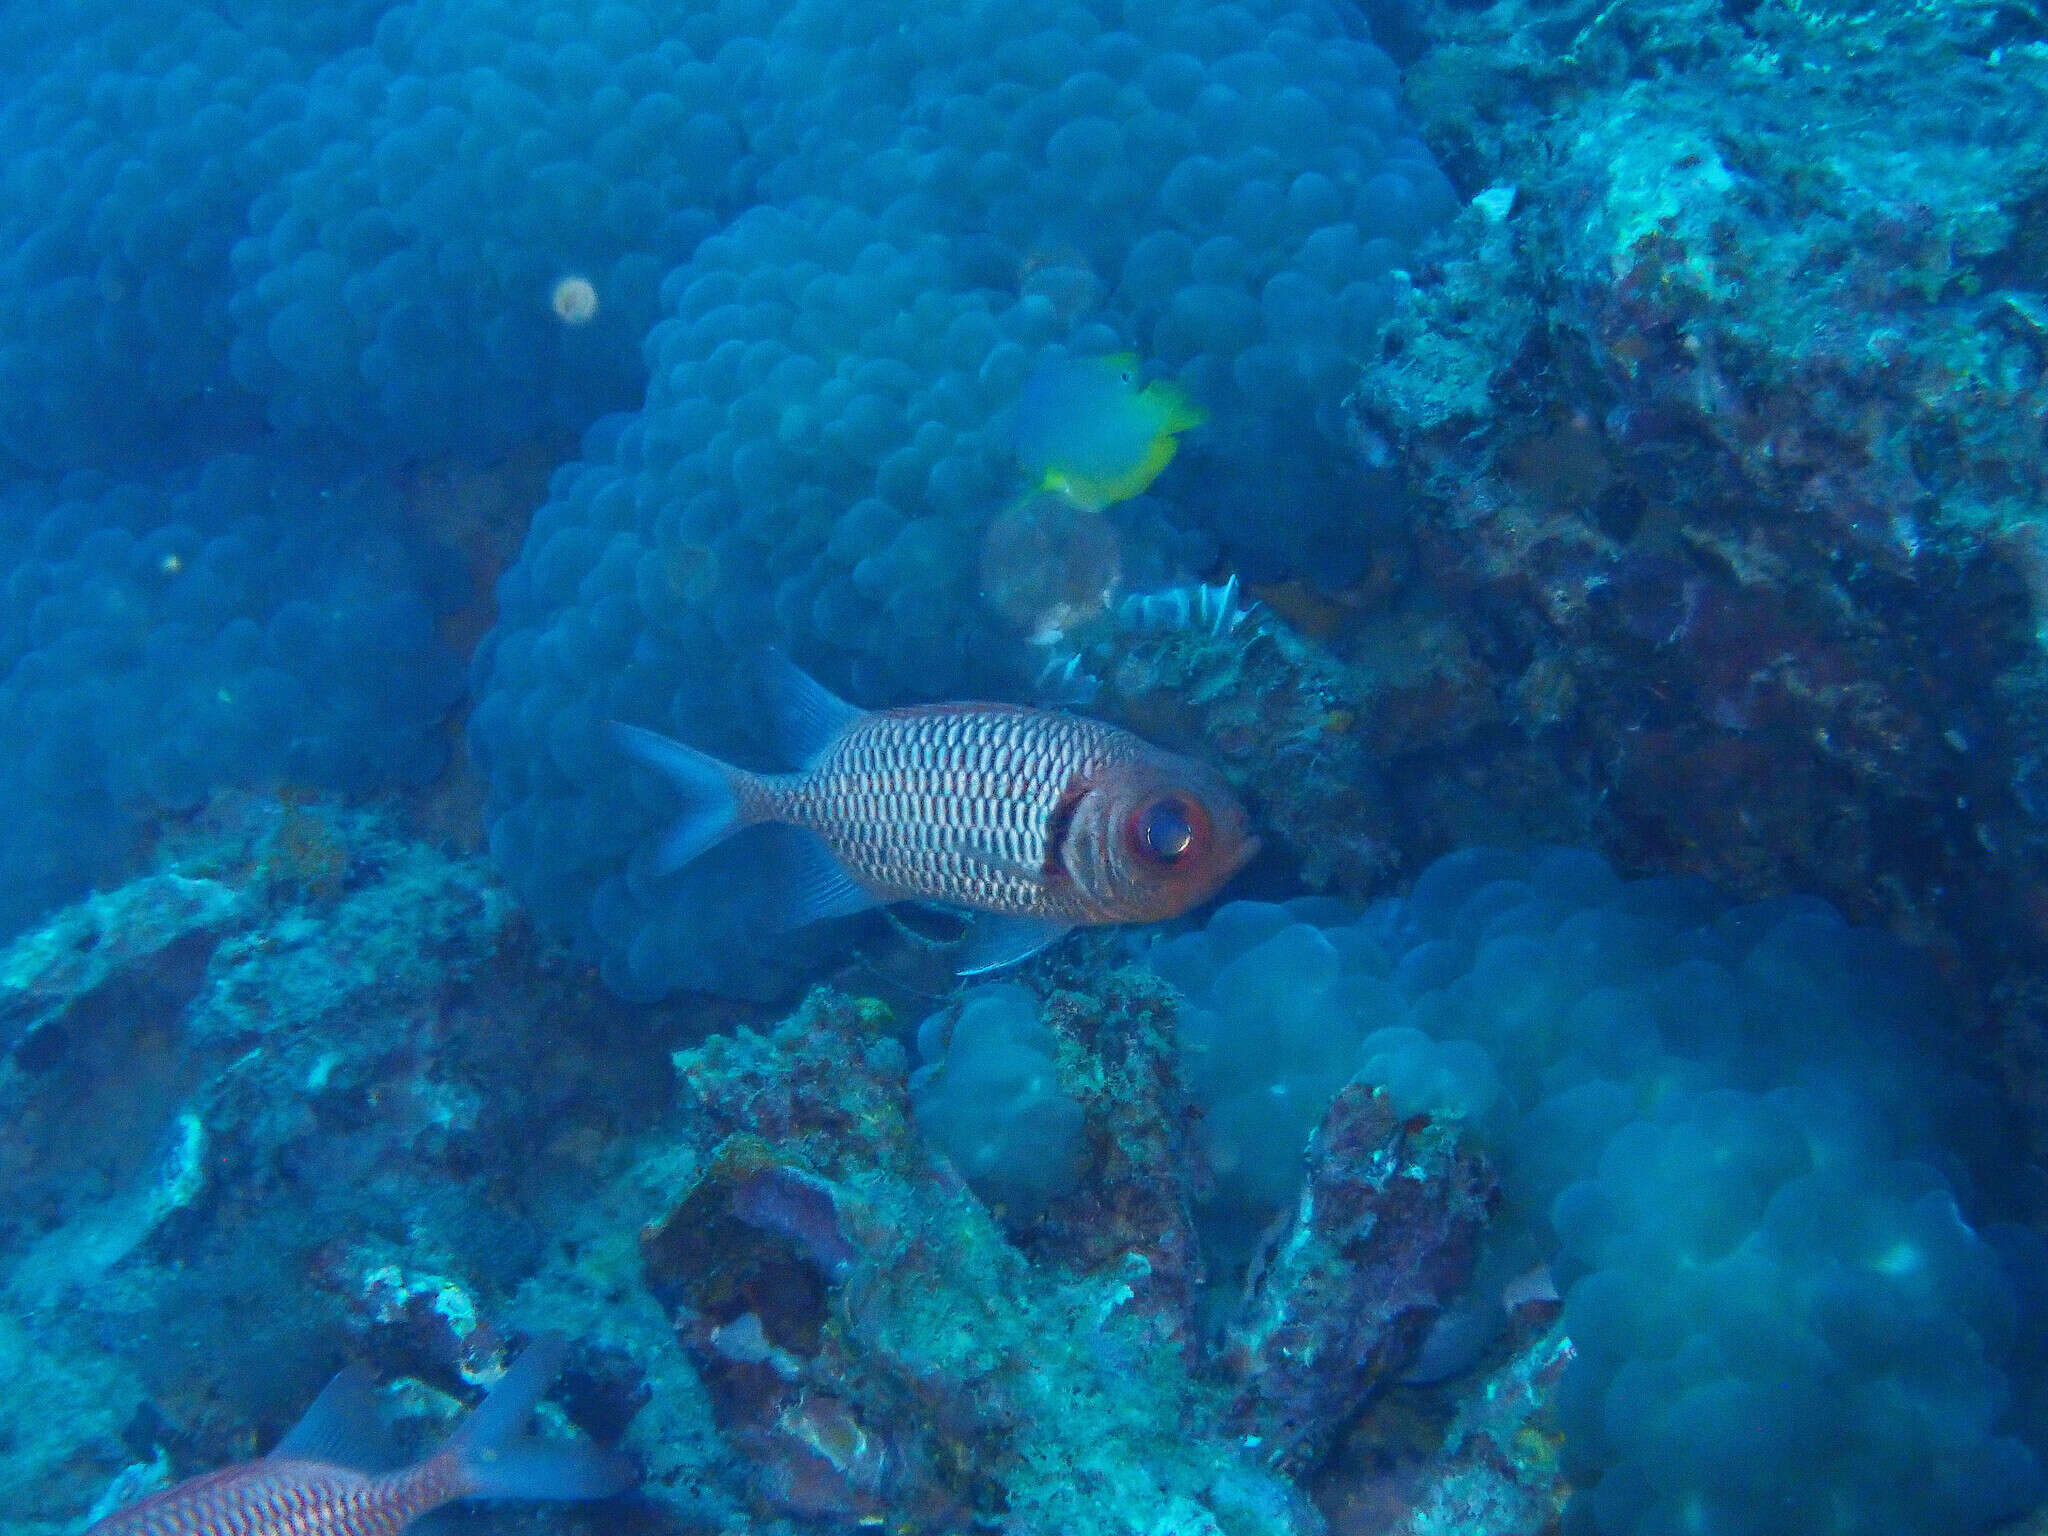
1087	432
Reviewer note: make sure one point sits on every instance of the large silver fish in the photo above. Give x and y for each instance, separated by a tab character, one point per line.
1045	821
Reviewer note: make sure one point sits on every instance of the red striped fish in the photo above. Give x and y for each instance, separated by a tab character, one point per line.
1045	821
307	1488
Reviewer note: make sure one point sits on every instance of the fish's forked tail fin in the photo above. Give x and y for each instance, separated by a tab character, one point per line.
498	1460
1176	407
708	787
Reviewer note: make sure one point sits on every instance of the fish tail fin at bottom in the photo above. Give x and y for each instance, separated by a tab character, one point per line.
708	787
496	1460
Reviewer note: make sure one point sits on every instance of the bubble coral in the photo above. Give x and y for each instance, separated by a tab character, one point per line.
946	199
1729	1132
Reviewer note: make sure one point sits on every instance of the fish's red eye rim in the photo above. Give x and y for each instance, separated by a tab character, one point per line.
1142	833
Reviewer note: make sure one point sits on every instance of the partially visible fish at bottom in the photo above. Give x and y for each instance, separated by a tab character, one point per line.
307	1487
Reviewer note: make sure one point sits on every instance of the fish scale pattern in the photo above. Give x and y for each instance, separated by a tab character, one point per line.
820	246
295	1496
297	1491
955	805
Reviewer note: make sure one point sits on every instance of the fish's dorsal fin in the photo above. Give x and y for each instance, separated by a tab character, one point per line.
806	715
998	940
342	1427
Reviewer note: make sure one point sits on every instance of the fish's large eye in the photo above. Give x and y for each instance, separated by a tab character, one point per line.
1165	830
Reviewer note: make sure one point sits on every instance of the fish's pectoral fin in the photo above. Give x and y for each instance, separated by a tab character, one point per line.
814	886
341	1428
997	940
806	715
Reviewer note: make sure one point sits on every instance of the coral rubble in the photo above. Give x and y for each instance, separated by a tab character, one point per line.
309	1092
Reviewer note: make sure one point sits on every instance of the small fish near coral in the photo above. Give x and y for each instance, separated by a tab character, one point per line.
1087	432
1040	820
314	1483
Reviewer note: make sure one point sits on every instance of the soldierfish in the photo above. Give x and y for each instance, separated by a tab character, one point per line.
1043	821
307	1487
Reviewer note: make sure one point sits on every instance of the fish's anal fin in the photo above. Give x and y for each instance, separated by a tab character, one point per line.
998	940
1083	495
341	1428
817	886
1149	468
806	715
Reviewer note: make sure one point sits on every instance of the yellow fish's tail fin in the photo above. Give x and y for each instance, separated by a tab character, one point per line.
1176	408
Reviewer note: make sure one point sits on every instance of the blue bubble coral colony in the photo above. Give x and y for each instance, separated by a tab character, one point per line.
1726	1131
830	420
405	408
791	266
